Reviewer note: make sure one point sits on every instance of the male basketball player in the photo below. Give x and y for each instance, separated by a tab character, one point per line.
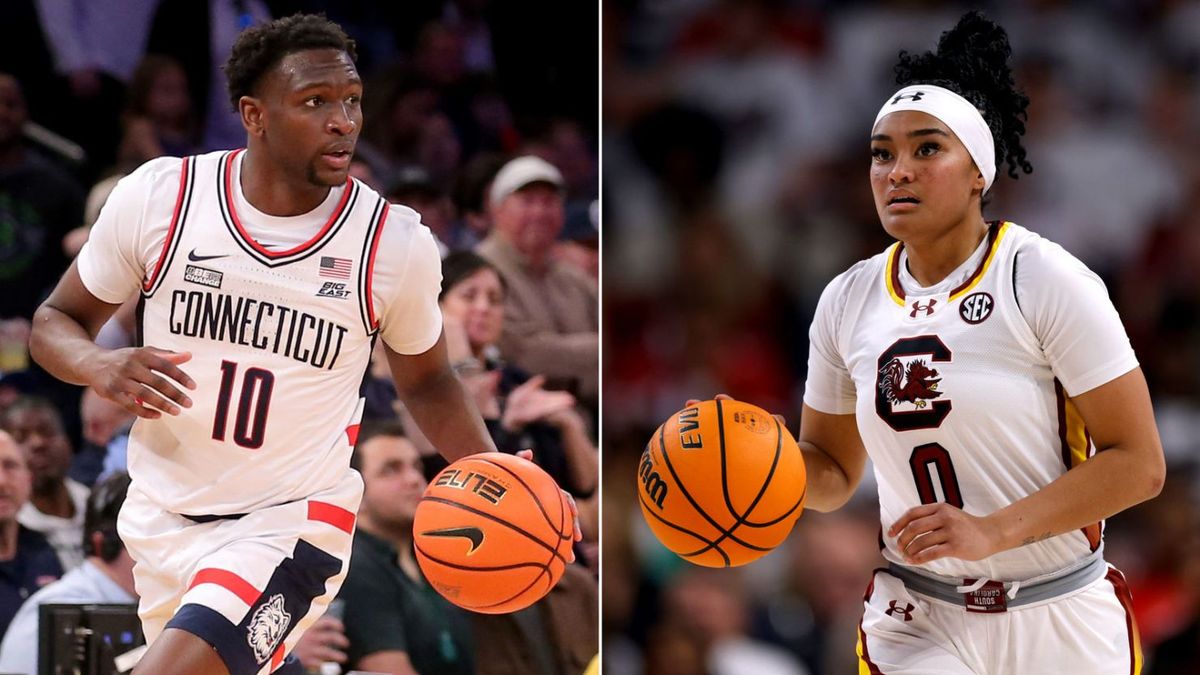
265	276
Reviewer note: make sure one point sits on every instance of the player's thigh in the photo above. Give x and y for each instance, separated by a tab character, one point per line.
181	653
904	634
1089	632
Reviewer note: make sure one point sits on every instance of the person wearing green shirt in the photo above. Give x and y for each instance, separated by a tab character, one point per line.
395	621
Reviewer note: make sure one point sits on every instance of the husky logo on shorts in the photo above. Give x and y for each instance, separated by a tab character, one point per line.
268	627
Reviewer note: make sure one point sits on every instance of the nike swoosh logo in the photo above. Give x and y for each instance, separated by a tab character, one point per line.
473	533
200	258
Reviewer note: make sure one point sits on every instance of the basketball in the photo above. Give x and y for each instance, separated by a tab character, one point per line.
493	533
721	483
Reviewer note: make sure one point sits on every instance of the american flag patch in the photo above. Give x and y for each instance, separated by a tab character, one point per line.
335	268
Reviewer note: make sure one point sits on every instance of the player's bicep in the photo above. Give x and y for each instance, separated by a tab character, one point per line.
412	371
72	297
392	661
1119	414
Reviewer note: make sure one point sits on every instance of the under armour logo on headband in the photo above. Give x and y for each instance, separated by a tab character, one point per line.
914	96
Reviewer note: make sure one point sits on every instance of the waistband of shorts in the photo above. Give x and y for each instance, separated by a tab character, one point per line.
951	590
212	518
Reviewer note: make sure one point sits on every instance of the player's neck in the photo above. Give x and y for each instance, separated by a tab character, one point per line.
275	193
8	539
930	260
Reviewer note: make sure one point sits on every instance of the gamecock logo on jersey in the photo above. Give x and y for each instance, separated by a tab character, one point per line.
915	384
907	384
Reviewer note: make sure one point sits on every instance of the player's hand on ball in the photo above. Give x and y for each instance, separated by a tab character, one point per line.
932	531
136	378
726	397
528	454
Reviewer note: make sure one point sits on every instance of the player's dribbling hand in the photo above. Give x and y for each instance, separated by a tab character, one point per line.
932	531
528	454
136	378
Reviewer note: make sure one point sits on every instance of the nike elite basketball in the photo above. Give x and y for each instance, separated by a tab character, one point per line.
721	483
493	533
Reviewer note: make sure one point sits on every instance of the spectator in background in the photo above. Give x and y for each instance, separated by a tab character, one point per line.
551	324
106	576
395	622
416	189
711	605
105	437
557	635
199	34
96	47
579	244
39	204
469	194
158	117
57	504
519	413
27	562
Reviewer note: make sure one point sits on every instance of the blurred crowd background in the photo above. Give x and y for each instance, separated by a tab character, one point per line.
735	183
456	91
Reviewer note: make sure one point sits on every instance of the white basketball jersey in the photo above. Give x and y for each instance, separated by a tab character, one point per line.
279	337
955	398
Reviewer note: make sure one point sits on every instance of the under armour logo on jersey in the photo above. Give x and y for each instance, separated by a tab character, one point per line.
916	96
928	308
893	610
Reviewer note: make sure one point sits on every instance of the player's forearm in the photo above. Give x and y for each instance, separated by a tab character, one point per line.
829	488
447	416
1106	484
64	347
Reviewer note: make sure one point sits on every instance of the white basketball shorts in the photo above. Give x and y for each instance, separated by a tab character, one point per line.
1090	630
249	585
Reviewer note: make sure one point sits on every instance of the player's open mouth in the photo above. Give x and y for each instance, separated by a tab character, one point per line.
338	159
904	200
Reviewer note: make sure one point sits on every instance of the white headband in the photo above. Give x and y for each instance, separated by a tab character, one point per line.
955	112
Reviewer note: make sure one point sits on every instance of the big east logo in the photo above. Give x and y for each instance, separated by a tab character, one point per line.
333	289
478	483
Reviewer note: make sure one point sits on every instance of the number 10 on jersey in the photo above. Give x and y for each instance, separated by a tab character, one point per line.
250	423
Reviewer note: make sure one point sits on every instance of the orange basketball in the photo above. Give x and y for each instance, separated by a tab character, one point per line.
721	483
493	533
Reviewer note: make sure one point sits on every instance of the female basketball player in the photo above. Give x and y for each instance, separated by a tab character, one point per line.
988	377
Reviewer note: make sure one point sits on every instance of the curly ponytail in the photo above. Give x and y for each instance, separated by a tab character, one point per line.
972	61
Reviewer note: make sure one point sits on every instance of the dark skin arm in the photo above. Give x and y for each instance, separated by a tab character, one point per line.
62	342
443	409
438	402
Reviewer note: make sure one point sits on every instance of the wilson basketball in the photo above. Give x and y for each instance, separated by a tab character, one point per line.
493	533
721	483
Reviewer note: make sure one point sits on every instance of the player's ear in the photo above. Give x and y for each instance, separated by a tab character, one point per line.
252	112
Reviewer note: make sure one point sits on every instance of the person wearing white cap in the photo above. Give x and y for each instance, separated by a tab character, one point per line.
987	375
551	312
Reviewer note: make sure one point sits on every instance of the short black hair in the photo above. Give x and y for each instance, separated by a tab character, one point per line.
259	48
372	429
103	507
972	60
30	402
461	264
